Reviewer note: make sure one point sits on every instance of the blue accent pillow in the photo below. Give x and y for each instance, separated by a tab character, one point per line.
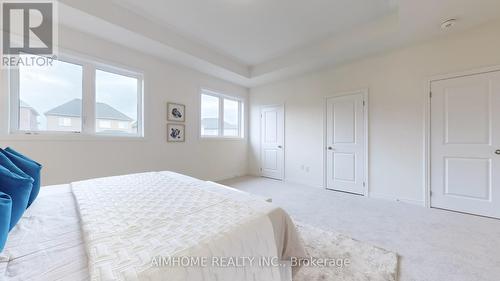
19	190
6	163
5	213
28	166
11	150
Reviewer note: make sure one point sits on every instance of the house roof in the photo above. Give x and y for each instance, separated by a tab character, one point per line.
73	108
213	124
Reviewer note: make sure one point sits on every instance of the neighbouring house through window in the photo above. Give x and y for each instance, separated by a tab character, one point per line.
51	98
221	116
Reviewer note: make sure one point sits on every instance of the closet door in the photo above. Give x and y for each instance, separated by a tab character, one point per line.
465	144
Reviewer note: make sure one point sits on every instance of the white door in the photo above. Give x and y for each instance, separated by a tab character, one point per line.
272	142
465	144
345	143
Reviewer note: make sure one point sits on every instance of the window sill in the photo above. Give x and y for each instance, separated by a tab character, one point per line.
69	137
203	138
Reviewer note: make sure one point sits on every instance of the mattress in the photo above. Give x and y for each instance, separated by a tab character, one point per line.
48	243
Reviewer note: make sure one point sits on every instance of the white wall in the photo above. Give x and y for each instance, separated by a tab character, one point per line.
397	85
70	160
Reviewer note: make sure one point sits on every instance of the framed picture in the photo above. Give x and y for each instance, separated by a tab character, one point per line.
175	132
176	112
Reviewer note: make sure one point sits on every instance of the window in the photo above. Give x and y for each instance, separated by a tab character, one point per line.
123	125
103	125
209	115
231	118
65	122
221	116
116	99
51	99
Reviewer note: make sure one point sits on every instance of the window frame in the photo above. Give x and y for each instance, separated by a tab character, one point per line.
14	96
140	97
222	97
88	130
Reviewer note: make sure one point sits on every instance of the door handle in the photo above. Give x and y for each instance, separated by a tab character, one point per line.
497	152
279	146
330	148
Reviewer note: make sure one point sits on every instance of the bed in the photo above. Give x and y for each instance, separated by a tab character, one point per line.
115	228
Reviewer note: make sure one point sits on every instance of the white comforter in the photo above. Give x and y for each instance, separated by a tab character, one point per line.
128	221
47	243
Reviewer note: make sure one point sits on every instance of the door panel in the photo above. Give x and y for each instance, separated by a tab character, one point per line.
461	174
344	167
345	152
468	113
270	159
271	126
465	126
344	118
272	142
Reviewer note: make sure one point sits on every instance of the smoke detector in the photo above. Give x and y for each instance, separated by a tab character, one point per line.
448	24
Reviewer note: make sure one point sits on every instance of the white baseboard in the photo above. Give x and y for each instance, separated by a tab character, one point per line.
253	174
223	178
320	186
301	182
397	199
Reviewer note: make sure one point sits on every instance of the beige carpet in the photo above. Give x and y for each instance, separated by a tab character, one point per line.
345	259
432	244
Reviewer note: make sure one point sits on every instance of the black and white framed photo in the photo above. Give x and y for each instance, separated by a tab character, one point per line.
175	132
176	112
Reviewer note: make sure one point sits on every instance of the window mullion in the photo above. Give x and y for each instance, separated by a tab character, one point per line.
239	118
88	106
221	119
14	102
140	107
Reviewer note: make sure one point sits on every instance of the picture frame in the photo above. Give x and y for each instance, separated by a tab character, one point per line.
176	112
176	132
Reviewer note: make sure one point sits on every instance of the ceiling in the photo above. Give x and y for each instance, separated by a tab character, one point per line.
253	42
255	31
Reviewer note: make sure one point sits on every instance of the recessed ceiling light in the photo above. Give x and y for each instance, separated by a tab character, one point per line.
448	24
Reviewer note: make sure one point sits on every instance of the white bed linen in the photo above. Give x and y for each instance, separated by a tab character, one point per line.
129	220
47	243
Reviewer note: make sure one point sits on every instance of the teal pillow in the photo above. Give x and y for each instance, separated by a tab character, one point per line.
19	190
29	167
5	213
6	163
11	150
